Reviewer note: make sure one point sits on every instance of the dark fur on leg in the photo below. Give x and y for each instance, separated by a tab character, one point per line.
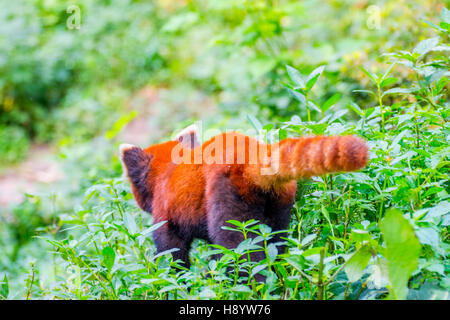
166	237
226	204
174	235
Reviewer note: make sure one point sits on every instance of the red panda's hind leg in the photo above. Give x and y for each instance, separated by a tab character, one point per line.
226	201
168	237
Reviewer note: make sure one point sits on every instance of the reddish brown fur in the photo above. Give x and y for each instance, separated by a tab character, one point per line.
197	199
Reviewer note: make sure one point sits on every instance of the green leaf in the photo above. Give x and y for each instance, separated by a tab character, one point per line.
354	107
308	239
313	76
359	236
268	127
255	123
120	124
315	72
109	257
241	289
388	71
402	251
398	138
388	82
282	134
153	227
257	269
354	267
425	46
327	217
129	223
371	76
431	24
265	229
318	128
365	91
399	90
272	252
4	288
298	262
311	82
295	76
245	246
337	115
180	21
207	293
314	106
331	101
369	111
379	276
300	97
408	155
144	234
428	236
236	223
437	211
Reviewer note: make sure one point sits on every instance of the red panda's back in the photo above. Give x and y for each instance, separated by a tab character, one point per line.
179	191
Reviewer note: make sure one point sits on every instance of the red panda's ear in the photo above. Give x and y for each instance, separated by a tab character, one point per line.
137	165
188	137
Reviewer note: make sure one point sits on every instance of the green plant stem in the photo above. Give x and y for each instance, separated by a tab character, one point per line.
417	133
320	284
363	122
347	211
361	289
331	187
346	289
31	283
380	213
100	281
380	102
307	107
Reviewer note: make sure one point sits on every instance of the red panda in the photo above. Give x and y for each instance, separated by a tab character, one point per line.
197	188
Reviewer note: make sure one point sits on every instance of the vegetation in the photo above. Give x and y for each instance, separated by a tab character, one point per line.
288	67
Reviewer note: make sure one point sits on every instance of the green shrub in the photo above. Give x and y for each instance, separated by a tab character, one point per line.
14	144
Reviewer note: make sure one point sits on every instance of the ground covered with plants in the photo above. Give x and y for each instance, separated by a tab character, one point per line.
379	71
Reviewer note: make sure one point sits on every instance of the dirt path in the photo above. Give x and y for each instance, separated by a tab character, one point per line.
39	167
42	167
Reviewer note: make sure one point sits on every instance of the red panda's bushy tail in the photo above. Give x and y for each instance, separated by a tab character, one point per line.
298	158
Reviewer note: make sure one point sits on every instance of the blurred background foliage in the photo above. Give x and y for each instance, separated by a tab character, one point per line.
138	71
69	85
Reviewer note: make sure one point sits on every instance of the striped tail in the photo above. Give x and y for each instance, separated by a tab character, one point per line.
299	158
